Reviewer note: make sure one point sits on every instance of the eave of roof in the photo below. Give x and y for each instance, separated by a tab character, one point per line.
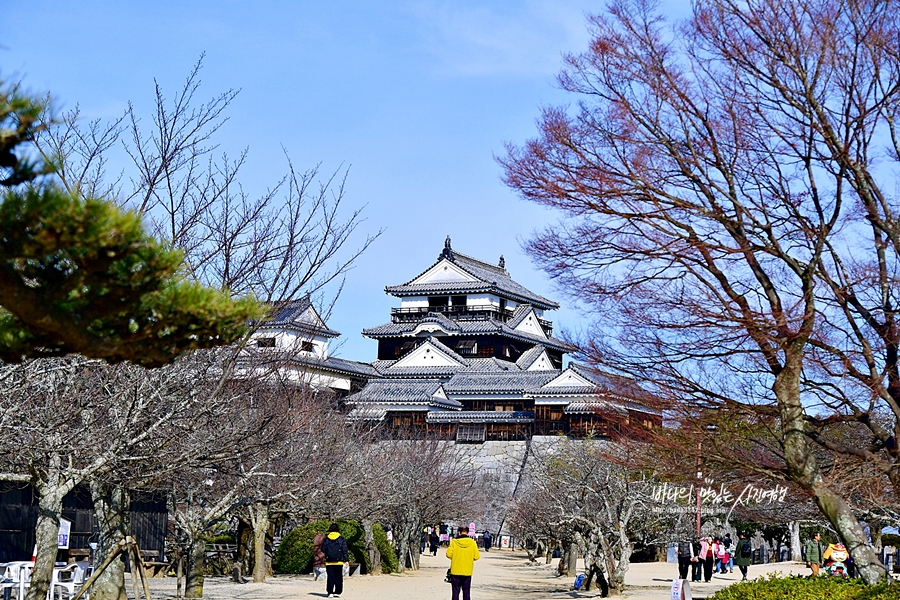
470	328
500	382
480	416
491	278
338	365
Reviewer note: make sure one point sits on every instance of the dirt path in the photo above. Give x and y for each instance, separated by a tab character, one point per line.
499	575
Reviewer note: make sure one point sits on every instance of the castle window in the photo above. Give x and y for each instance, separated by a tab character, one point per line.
458	301
306	346
467	347
406	347
470	433
265	342
486	351
438	302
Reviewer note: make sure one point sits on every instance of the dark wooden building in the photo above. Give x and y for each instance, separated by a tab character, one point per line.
19	513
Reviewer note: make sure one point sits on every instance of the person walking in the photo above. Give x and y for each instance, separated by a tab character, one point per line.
707	556
814	554
462	552
487	540
743	553
433	541
318	557
696	563
728	547
685	556
334	547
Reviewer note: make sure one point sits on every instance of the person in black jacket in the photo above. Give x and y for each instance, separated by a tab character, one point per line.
336	556
686	555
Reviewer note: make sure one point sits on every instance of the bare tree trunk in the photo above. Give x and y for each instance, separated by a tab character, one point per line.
804	469
372	551
402	548
563	567
415	553
259	520
794	529
572	558
194	577
46	536
111	512
617	569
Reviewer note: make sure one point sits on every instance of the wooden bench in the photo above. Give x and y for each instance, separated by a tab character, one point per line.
153	566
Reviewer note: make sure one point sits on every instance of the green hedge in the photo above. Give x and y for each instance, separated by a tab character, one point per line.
295	553
804	588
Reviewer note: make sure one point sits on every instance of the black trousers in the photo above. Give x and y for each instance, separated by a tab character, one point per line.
335	581
707	567
696	568
743	569
461	582
683	563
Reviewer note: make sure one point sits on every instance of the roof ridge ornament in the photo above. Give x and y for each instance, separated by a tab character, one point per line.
447	252
502	262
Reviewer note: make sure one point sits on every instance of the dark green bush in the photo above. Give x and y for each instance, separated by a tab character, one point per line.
804	588
295	553
389	562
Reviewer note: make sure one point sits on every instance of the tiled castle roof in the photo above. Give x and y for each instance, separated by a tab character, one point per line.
424	392
298	315
506	382
462	328
481	416
490	278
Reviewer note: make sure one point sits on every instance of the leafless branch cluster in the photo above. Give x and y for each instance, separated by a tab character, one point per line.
575	493
726	184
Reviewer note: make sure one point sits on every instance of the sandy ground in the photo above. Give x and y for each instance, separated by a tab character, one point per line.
499	575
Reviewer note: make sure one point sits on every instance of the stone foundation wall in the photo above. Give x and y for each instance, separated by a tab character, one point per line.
500	466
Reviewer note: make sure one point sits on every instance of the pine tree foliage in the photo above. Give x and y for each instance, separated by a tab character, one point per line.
82	275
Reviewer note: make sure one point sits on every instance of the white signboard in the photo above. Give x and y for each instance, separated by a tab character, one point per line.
504	541
681	590
65	528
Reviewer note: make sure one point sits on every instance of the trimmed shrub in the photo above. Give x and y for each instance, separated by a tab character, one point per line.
295	553
805	588
389	563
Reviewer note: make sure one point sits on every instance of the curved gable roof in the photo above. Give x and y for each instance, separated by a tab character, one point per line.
487	278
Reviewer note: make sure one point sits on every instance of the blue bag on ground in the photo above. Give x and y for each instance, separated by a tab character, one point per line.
579	581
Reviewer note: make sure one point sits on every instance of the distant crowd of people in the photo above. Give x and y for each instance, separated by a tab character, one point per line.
703	556
435	536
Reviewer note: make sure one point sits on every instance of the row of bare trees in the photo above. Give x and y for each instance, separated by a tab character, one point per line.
199	430
727	188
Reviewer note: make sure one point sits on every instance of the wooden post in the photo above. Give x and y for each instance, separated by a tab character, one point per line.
120	547
179	571
135	558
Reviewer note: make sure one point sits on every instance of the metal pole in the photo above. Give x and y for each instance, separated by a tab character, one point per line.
699	482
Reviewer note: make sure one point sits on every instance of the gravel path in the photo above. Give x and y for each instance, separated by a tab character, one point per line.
499	575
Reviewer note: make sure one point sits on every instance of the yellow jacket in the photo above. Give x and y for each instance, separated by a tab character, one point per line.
462	552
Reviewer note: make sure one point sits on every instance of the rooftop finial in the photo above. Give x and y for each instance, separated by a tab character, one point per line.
447	252
502	262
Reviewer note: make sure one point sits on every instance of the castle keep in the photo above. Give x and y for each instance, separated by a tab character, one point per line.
469	356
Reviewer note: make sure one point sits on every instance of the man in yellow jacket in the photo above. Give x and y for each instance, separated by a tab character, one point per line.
462	552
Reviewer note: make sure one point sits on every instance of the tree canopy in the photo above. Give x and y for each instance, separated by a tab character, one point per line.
728	191
79	274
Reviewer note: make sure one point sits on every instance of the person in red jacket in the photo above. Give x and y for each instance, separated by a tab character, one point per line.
462	552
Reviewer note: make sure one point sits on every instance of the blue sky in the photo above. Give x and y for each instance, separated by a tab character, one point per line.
415	98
